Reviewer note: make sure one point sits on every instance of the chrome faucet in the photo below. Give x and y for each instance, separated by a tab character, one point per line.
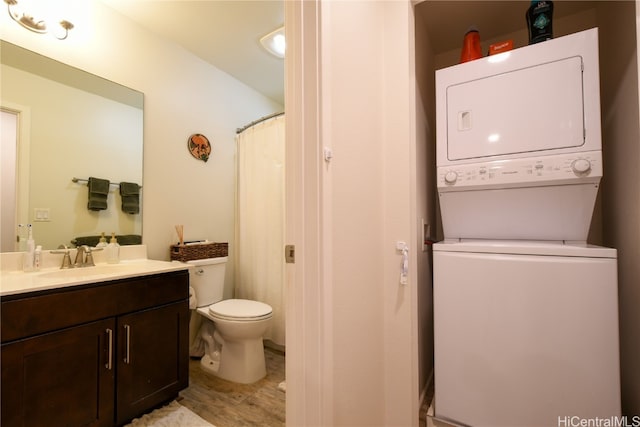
66	259
87	251
80	251
88	261
84	256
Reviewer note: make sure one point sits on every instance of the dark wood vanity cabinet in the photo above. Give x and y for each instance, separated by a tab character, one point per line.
108	353
151	367
59	378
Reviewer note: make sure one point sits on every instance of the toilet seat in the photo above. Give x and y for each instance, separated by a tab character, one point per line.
240	310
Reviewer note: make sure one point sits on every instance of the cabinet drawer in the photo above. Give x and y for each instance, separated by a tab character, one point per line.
153	291
44	312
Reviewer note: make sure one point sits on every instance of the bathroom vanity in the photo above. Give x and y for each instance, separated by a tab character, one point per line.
99	352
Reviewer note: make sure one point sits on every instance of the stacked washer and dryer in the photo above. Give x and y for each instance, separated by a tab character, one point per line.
525	310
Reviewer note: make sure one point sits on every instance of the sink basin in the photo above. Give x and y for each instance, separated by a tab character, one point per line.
98	270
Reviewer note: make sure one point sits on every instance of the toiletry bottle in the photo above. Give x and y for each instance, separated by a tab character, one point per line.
37	258
103	242
27	262
539	16
113	250
22	240
471	45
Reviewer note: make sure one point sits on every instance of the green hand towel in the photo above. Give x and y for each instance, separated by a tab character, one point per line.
98	192
130	194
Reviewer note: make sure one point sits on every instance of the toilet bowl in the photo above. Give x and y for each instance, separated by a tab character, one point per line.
239	327
232	329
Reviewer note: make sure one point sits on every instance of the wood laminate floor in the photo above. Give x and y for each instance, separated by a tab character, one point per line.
227	404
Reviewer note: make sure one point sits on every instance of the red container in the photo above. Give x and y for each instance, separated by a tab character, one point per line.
471	46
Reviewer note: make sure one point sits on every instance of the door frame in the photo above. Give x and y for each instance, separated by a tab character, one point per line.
23	136
309	384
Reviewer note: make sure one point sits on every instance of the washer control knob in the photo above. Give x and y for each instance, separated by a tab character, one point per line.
581	166
450	177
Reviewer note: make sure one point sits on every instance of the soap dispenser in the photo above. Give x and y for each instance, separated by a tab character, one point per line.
113	250
103	242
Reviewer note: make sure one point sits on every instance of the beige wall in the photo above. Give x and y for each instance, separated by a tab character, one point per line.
183	95
620	195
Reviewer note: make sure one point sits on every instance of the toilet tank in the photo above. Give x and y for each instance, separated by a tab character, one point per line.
207	279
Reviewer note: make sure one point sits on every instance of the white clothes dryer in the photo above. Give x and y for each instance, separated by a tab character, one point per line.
519	142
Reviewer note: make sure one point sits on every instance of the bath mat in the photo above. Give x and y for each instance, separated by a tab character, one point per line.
171	415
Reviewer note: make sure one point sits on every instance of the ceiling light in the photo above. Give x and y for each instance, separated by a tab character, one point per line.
273	42
34	16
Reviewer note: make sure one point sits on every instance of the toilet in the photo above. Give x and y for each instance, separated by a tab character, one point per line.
232	329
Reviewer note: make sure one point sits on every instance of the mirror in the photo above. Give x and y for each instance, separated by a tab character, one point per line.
60	123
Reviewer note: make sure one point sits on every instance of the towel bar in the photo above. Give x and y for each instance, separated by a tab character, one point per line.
74	179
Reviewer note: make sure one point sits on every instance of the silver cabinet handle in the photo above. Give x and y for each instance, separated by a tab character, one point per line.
110	344
127	329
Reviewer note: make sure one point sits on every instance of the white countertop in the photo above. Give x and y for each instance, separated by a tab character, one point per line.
15	281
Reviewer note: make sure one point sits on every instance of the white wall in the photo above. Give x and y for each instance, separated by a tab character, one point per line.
352	128
183	95
369	203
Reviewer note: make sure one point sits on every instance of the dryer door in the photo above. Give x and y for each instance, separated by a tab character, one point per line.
528	110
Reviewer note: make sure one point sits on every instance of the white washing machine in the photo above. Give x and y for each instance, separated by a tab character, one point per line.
525	312
526	333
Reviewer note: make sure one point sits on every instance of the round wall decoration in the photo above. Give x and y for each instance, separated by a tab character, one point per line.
199	146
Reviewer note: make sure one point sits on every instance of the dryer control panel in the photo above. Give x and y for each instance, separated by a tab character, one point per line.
523	172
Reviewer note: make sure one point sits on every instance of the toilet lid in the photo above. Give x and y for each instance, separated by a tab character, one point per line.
240	309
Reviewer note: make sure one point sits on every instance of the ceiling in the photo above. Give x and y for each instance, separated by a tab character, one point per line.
226	33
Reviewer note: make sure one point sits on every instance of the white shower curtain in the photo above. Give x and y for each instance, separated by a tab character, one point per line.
259	248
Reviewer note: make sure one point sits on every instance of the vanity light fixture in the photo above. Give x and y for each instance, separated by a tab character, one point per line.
37	25
273	42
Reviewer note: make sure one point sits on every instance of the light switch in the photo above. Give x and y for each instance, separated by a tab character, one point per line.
42	214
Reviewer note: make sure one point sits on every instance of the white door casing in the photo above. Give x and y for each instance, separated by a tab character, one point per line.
352	354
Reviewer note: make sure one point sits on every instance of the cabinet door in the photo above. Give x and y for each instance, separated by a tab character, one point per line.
63	378
153	358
